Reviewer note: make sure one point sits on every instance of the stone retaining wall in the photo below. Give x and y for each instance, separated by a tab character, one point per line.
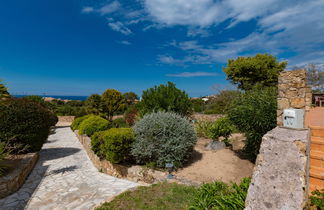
134	173
280	177
11	182
293	92
65	118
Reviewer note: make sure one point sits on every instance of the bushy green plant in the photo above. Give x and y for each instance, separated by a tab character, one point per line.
165	98
219	103
202	128
77	121
163	137
26	123
93	124
114	144
94	104
130	115
219	195
198	105
221	127
317	199
119	123
254	113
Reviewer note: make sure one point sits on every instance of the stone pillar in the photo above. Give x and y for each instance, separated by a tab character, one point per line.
293	92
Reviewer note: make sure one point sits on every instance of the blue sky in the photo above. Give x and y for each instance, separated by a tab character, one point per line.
80	47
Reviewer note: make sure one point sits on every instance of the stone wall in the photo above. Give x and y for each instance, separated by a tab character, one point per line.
280	177
66	118
12	181
293	92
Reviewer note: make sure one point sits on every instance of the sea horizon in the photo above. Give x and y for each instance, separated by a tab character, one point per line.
62	97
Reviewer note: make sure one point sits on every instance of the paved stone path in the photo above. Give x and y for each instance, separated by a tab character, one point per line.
64	178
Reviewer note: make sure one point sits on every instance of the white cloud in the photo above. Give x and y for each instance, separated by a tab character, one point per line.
87	9
125	42
193	74
104	10
120	27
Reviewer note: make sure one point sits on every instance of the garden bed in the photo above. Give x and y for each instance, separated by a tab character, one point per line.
224	165
19	168
204	166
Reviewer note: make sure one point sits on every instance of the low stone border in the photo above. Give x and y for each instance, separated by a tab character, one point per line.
133	172
11	182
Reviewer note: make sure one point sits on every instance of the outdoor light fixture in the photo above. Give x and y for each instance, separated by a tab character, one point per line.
169	166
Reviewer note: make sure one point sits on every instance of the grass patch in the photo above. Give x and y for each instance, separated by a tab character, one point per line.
158	196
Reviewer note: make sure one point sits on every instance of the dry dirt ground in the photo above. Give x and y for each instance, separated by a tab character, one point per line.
222	165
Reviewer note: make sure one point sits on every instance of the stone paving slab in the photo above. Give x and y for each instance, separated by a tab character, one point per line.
64	178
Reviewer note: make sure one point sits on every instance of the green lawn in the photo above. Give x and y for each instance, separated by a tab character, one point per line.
158	196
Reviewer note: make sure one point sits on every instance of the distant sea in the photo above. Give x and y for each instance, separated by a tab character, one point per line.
79	98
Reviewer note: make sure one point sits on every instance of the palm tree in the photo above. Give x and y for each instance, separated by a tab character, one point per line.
3	91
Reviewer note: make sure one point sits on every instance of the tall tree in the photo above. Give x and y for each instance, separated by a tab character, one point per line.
165	98
246	72
315	77
93	104
130	98
112	102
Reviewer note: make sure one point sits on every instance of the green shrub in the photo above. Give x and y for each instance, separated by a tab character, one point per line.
114	145
130	115
25	123
77	121
165	98
221	127
219	103
254	113
219	195
93	124
317	199
163	137
119	123
202	128
97	140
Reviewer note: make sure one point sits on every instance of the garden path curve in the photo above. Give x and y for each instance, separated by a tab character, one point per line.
64	178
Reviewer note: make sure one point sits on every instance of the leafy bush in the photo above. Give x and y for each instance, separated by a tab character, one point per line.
198	105
202	128
219	195
77	121
93	124
219	103
163	137
254	113
165	98
317	199
3	91
26	123
119	123
221	127
114	145
131	115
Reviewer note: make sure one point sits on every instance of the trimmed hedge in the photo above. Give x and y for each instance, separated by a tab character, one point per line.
163	137
114	145
77	121
93	124
24	123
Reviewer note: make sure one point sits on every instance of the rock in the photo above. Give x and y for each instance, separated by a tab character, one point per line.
216	145
280	177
